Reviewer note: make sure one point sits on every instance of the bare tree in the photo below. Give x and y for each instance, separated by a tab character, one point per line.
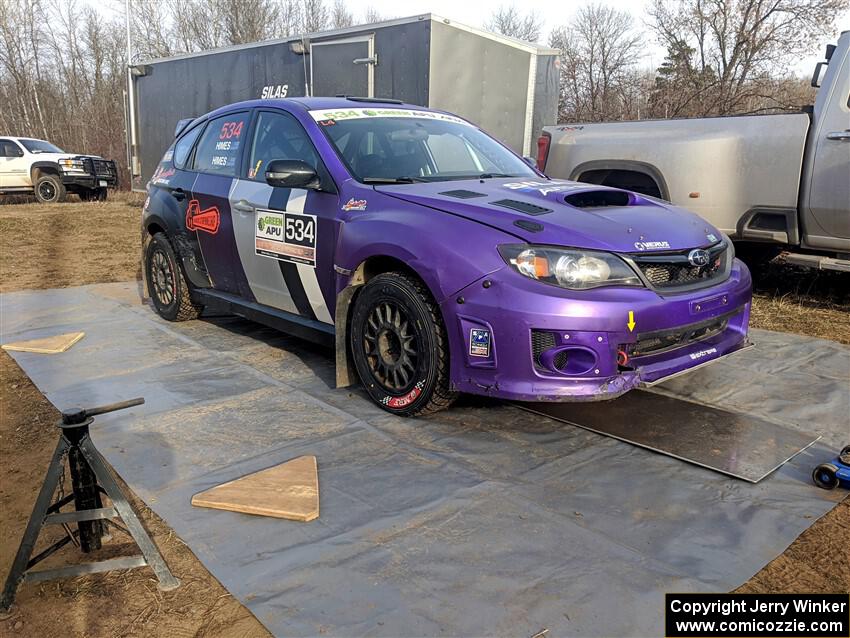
372	15
315	16
61	75
598	65
341	17
722	52
249	20
508	20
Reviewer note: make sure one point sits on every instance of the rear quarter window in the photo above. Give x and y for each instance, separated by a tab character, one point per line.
183	147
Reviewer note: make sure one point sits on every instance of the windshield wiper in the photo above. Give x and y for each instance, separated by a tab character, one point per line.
391	180
493	175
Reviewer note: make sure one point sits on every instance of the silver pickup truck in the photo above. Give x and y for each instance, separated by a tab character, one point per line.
771	182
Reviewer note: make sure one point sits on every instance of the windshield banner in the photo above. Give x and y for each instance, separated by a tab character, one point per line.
335	115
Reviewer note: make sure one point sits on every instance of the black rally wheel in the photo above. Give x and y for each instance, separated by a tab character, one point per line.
400	346
166	284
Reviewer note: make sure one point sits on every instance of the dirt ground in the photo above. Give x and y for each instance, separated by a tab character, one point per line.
76	243
126	603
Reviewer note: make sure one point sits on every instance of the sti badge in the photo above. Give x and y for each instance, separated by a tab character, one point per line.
479	343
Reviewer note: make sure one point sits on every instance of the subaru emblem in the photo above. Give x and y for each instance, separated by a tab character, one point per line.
698	257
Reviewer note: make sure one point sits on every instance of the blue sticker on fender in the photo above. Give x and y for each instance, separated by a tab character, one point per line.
479	343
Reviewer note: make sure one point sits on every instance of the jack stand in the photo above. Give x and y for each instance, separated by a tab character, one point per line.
90	478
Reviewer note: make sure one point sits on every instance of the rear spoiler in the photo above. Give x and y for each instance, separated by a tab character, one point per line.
182	124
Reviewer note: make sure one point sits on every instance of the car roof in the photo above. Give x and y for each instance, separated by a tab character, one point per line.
315	103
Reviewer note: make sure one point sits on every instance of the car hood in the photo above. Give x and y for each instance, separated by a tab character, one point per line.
563	213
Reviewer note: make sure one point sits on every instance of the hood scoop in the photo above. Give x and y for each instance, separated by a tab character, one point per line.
600	199
522	207
463	194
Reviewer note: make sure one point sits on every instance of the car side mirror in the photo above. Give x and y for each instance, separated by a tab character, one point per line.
292	174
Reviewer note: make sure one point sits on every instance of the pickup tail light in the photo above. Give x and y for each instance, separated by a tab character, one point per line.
543	150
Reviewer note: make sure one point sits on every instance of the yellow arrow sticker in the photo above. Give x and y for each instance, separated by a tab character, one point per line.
631	323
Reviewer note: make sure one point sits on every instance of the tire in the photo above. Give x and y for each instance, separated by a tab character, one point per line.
166	282
49	189
400	347
93	195
825	476
757	256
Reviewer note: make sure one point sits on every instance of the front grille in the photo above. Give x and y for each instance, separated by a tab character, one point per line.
664	340
99	167
541	341
673	270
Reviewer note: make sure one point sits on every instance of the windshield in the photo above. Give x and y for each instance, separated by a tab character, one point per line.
403	145
40	146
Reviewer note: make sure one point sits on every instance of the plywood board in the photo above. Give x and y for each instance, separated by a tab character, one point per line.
46	345
740	445
289	490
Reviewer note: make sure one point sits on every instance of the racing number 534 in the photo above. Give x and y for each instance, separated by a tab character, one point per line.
300	229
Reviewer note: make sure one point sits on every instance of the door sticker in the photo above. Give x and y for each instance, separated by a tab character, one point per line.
286	236
206	220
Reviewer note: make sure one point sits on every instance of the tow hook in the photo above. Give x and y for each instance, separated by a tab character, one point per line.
622	358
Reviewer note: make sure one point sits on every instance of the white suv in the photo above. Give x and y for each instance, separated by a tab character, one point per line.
34	166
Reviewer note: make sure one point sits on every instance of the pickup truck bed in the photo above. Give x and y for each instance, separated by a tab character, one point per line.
709	165
774	182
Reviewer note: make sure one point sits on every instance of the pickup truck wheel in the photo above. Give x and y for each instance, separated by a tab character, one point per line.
93	195
400	346
167	285
49	189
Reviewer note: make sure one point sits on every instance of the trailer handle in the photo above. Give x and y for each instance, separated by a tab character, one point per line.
373	59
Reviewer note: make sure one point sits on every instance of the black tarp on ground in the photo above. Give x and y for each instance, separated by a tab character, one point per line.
483	520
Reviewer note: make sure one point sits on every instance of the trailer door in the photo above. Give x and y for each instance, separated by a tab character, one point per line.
343	67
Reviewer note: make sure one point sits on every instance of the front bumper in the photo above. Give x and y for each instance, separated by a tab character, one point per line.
518	339
88	181
96	173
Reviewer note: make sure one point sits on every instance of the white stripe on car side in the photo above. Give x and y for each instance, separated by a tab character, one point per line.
306	273
264	276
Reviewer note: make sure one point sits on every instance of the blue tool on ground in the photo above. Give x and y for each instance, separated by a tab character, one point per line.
831	475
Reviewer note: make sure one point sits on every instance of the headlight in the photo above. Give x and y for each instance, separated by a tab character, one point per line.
568	267
71	164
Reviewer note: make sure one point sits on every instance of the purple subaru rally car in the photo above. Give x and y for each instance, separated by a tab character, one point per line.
432	258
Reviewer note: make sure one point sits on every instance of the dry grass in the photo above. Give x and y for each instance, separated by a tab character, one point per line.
121	603
803	301
69	244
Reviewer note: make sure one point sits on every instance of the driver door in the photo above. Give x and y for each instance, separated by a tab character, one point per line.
285	236
13	166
